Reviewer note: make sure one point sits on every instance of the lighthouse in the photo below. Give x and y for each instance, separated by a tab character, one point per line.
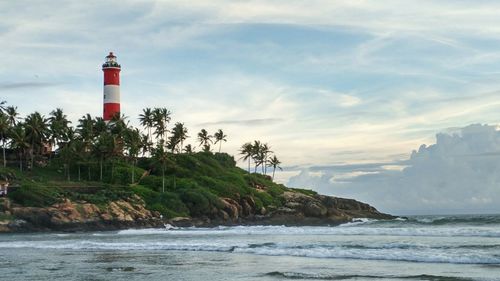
111	70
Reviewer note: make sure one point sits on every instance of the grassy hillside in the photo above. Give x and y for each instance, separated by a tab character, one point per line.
194	184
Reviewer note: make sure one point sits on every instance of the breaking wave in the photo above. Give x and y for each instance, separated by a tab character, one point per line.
389	251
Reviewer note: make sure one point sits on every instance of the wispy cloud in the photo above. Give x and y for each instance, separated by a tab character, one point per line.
248	122
23	85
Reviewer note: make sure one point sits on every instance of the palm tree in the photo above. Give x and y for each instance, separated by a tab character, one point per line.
265	149
37	130
173	143
12	115
58	127
2	106
19	142
161	117
205	140
146	144
257	155
133	145
103	148
80	153
146	120
160	156
85	130
4	129
275	163
188	149
100	126
219	138
247	152
67	154
180	134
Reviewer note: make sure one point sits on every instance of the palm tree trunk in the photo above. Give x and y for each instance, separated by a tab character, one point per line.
3	148
112	170
163	178
100	166
274	170
20	161
79	173
265	165
32	153
133	171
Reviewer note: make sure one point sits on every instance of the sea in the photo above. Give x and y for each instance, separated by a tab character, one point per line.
465	247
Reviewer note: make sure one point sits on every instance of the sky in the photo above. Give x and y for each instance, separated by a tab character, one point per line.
345	92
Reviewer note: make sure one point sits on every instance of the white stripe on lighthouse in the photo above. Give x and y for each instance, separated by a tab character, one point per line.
111	94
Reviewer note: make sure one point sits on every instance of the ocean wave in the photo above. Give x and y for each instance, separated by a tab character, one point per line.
358	230
314	276
475	220
391	251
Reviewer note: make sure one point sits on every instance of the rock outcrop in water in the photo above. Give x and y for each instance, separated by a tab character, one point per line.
297	209
77	216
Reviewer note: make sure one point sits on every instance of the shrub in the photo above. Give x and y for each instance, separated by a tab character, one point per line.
35	195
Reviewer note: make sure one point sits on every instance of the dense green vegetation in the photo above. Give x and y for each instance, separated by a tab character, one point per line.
99	162
194	183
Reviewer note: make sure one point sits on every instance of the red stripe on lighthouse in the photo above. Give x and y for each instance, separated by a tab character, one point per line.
111	76
110	110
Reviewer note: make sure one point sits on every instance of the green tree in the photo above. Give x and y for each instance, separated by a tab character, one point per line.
161	118
181	134
85	130
19	142
12	115
58	127
257	155
67	153
132	147
37	131
103	148
219	138
160	156
146	120
247	151
265	149
4	129
205	140
188	149
275	163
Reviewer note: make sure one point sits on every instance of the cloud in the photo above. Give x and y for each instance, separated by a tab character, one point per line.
459	173
23	85
247	122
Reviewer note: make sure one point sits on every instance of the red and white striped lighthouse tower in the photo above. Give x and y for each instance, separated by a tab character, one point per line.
111	70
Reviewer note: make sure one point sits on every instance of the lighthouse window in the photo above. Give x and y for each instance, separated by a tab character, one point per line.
114	74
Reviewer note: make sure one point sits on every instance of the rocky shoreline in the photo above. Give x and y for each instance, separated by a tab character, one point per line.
298	209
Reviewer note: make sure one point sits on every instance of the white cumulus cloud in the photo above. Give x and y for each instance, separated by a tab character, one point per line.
459	173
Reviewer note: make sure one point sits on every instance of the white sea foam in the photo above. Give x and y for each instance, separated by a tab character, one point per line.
437	231
393	251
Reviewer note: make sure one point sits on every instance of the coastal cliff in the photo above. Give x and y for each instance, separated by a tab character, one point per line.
199	190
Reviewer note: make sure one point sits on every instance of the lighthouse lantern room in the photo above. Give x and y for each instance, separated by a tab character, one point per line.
111	70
